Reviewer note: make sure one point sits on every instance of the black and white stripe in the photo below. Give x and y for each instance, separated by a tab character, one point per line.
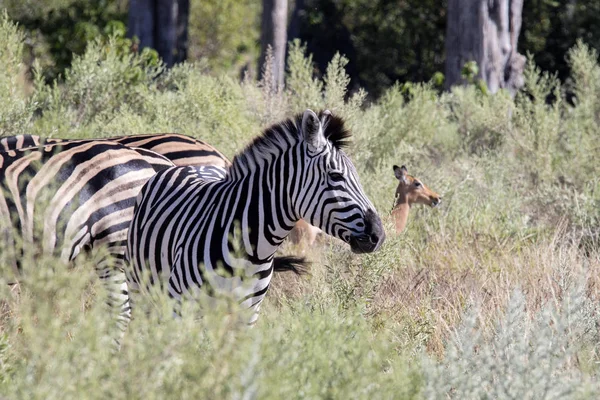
44	168
180	149
85	191
189	232
72	197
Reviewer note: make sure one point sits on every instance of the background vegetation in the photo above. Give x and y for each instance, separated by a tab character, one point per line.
492	295
385	41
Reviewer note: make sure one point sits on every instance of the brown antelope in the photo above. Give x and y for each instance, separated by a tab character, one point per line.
410	191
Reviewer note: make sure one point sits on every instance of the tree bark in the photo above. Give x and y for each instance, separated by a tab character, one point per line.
183	17
165	32
161	25
141	22
487	32
274	34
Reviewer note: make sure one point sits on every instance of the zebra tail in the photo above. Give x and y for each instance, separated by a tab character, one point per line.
297	265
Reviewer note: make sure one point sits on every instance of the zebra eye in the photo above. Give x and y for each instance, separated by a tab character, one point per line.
336	176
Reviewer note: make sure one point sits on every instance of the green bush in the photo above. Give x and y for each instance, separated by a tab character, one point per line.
422	317
16	107
58	30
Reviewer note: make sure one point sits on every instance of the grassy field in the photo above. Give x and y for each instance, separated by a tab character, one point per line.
494	294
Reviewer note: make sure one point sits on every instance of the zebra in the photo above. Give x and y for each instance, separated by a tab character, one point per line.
185	229
84	193
92	185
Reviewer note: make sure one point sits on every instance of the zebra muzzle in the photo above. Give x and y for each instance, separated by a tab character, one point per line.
363	243
373	236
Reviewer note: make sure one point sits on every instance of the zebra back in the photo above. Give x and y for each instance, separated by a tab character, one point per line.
180	149
85	191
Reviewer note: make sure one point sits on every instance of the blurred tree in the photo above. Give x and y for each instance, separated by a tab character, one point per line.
385	40
59	29
551	28
183	18
485	32
225	34
161	25
18	9
273	34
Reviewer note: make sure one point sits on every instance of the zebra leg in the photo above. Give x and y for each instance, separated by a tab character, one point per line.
118	300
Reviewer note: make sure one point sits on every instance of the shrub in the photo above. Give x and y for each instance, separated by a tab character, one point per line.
423	316
16	107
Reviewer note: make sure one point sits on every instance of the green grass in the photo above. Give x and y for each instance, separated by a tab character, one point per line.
494	294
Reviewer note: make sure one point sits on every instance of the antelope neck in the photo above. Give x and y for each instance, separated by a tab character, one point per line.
400	213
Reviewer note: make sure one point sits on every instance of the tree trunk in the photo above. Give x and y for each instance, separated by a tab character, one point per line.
294	28
487	32
274	34
183	17
161	25
165	32
141	22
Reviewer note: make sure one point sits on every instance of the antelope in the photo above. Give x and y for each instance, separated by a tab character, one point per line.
410	191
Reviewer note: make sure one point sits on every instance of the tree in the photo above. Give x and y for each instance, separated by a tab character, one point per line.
385	41
181	42
551	28
274	34
161	25
486	32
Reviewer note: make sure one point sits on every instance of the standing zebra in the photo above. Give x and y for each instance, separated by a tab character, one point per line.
91	186
185	228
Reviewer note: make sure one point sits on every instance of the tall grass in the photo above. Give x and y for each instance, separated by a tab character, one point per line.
492	295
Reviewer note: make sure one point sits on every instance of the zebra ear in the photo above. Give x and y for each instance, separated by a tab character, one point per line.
312	129
325	115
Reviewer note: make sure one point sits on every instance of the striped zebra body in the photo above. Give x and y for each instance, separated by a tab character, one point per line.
189	232
84	182
117	169
64	155
122	165
84	193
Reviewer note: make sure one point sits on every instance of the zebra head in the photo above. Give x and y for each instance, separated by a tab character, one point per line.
330	194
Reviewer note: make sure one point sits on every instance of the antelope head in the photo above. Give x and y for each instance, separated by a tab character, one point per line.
410	191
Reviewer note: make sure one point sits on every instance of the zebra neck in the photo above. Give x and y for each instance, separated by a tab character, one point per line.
265	214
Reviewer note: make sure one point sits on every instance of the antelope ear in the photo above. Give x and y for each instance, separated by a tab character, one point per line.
312	129
400	173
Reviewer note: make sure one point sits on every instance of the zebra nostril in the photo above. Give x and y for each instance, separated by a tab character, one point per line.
374	238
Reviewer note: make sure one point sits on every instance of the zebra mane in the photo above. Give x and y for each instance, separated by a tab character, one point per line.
335	131
285	134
